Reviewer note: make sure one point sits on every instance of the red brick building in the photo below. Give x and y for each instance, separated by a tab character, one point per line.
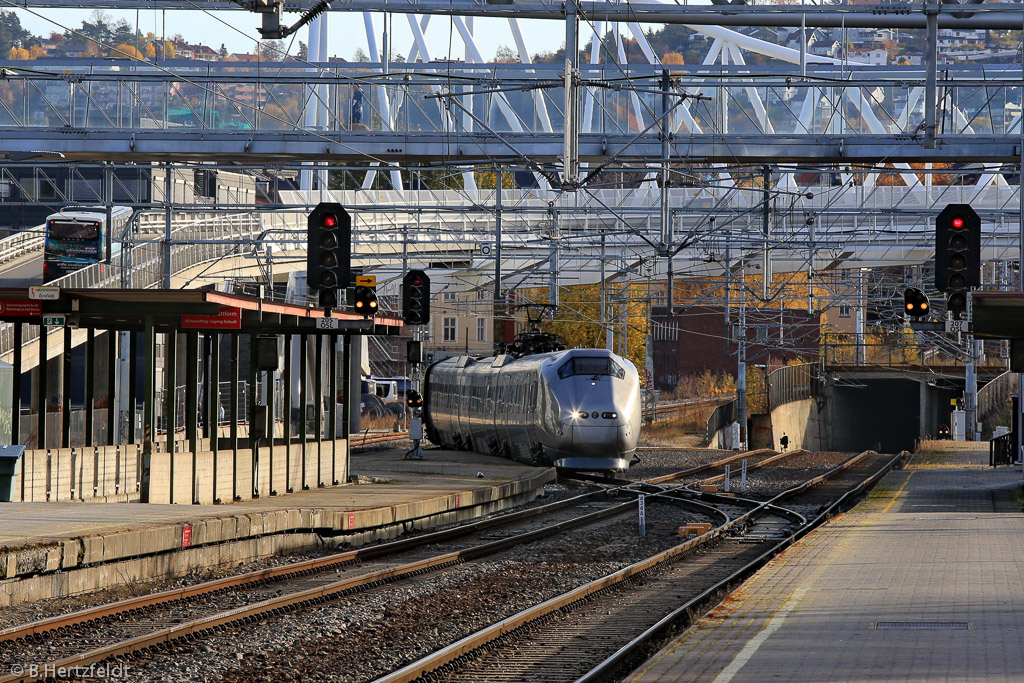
698	338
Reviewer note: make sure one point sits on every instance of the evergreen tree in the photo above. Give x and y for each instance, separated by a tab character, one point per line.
12	34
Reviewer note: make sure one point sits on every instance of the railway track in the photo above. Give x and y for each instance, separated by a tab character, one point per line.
606	626
115	630
357	440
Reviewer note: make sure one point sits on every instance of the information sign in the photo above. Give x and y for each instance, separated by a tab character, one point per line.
229	318
20	307
58	320
43	293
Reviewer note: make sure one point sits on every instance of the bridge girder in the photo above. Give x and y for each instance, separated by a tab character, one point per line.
269	148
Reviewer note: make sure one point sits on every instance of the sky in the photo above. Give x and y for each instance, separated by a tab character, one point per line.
237	30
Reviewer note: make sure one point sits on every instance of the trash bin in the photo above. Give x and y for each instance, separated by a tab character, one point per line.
10	461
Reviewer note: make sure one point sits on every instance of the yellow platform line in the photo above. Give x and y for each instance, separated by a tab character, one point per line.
896	495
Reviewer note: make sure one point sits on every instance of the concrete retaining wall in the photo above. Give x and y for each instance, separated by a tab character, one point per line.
114	473
801	422
105	473
88	563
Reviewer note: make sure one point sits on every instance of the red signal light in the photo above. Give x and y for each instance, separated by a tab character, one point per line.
958	223
331	221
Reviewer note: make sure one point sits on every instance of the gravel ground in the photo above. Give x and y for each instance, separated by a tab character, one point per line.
43	609
661	462
775	478
359	638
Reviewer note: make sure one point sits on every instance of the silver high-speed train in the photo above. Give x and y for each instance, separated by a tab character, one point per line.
577	409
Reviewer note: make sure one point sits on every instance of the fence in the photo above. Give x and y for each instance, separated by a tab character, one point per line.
1001	450
792	383
722	416
142	265
20	243
994	395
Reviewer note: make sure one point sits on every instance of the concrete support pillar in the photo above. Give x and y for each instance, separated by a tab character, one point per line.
16	398
287	418
254	415
355	376
332	403
233	418
191	368
213	404
922	430
65	391
91	372
318	406
42	389
106	347
303	379
346	398
170	396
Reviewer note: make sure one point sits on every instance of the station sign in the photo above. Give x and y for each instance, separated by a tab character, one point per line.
55	320
327	323
229	318
43	293
20	308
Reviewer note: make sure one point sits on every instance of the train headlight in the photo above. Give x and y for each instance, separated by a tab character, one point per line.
609	416
579	415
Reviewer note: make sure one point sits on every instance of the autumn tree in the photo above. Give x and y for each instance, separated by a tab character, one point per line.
124	51
505	55
11	33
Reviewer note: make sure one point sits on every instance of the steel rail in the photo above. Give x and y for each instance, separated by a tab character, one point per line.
298	598
476	640
264	575
683	616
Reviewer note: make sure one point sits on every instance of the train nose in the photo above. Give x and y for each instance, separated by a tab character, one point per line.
602	438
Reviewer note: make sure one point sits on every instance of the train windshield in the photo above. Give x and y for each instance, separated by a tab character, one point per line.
73	230
592	366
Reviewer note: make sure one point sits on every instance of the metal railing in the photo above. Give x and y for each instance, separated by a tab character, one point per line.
722	416
19	244
792	383
1001	450
996	393
142	265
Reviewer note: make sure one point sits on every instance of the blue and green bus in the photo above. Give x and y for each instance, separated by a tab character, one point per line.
77	237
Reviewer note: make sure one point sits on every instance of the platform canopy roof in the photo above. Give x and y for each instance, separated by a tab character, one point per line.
197	309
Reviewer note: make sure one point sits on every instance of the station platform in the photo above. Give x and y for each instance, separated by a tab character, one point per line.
922	581
56	549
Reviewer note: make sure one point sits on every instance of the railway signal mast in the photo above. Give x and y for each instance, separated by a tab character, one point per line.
915	302
957	270
328	252
957	255
416	298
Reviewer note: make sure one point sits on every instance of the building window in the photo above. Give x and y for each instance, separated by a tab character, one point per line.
482	294
481	329
448	296
844	310
666	331
448	329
